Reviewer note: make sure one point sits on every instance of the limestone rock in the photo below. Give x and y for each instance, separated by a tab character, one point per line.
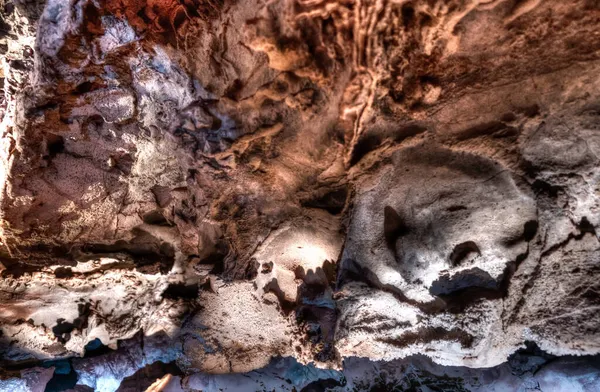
195	190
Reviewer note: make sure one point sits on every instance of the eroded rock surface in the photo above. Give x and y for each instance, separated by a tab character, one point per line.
197	187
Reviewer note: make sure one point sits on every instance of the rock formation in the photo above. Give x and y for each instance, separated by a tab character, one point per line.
348	194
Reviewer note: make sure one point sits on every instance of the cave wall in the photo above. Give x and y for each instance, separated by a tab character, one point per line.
316	180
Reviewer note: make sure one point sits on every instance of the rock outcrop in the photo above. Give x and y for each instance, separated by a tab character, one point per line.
196	188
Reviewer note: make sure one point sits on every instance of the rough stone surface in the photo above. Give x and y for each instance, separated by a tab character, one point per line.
337	193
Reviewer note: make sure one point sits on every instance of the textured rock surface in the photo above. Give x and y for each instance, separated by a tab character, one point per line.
193	188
